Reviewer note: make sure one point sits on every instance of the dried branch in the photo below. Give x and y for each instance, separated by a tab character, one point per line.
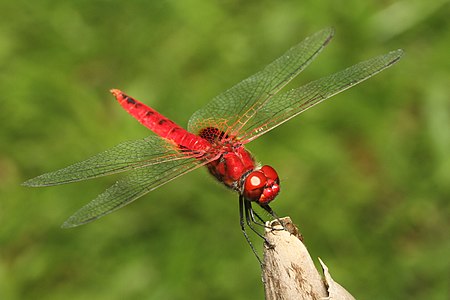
289	272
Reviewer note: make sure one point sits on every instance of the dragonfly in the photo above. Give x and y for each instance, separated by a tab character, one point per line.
216	136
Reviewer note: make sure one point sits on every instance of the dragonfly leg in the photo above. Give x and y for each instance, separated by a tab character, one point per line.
242	206
260	220
250	218
274	215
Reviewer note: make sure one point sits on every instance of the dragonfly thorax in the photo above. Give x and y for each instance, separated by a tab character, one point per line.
236	168
231	166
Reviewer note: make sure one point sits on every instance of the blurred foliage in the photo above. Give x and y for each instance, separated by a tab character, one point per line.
366	176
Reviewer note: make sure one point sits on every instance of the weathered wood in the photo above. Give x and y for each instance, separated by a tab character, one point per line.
289	272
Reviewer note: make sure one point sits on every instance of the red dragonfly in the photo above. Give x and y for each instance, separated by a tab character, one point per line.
215	137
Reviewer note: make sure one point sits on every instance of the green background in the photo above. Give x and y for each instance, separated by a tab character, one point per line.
366	176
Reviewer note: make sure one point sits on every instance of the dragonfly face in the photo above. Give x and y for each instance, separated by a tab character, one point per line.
261	186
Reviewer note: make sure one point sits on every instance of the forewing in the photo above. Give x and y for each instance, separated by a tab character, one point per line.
231	110
125	156
136	184
284	106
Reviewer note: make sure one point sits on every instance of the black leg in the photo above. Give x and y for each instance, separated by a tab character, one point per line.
250	219
273	214
260	222
241	220
270	211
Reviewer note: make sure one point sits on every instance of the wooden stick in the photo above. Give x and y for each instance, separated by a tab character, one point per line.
289	272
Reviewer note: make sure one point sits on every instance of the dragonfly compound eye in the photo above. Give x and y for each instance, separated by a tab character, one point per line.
262	185
270	173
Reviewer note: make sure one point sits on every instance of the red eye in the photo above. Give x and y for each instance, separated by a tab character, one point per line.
262	186
270	172
255	180
254	185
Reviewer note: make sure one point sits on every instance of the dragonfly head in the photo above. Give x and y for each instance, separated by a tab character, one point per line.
262	185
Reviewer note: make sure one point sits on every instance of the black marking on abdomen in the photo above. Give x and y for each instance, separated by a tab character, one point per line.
130	100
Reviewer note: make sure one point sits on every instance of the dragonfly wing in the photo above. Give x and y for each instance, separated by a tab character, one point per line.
285	106
125	156
136	184
231	110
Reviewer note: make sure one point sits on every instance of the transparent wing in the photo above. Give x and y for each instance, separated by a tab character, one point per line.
136	184
231	110
282	107
123	157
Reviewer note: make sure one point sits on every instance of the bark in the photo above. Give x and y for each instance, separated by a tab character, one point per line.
289	271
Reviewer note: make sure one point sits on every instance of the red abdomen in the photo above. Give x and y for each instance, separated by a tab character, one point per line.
159	124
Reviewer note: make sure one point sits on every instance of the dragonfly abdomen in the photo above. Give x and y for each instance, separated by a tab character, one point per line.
159	124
